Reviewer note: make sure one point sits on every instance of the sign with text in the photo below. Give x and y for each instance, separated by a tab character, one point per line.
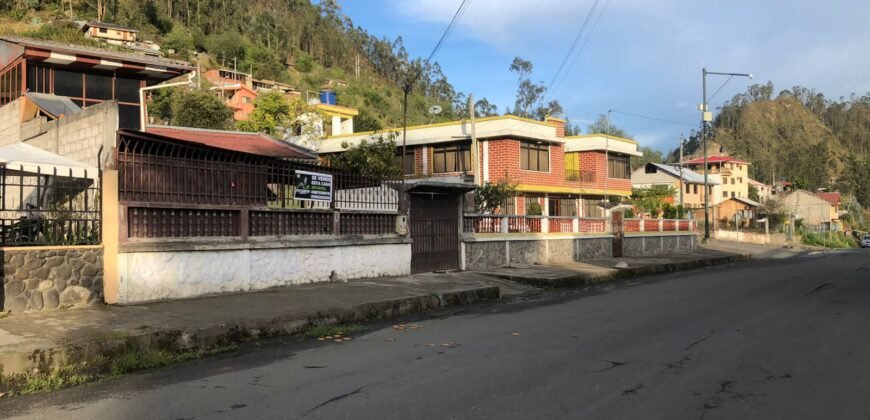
312	186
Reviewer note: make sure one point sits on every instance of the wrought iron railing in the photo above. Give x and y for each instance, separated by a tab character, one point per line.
49	208
578	175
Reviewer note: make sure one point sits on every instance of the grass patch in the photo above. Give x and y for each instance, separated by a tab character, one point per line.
331	330
829	240
103	367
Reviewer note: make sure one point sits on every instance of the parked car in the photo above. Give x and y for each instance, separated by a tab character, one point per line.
865	241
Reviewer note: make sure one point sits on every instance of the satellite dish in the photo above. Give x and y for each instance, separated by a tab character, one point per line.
435	109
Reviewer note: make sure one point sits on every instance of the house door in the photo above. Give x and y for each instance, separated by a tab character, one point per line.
434	229
616	224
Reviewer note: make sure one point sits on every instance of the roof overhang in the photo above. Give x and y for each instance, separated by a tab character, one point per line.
25	159
438	187
596	142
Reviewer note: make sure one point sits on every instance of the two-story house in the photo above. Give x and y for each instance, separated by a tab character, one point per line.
731	173
562	176
689	189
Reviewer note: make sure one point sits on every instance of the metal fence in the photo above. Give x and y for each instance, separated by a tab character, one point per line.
49	208
173	189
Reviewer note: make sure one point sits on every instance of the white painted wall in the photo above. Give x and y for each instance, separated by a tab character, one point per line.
147	276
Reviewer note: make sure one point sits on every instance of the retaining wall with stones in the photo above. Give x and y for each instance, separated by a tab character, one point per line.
52	278
482	254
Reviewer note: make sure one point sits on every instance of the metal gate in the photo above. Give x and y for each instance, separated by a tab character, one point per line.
434	228
616	224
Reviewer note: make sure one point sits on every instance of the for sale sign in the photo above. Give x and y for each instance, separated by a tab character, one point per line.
312	186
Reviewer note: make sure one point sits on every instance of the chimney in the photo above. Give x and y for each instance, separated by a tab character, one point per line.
558	123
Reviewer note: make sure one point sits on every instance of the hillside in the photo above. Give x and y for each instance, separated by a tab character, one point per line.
292	41
799	136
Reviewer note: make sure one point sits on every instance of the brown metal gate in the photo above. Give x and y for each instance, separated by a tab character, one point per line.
616	224
434	228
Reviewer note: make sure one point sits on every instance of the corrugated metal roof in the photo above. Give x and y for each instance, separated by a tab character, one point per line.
688	175
715	159
98	52
54	105
831	197
237	141
110	26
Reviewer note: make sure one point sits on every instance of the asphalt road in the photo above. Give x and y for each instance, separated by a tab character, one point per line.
775	339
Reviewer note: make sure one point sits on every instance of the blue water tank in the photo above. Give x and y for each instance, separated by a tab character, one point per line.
328	97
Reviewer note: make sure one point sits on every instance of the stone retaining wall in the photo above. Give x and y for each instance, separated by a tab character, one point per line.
52	278
638	246
501	252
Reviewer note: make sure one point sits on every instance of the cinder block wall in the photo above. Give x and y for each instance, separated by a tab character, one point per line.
79	136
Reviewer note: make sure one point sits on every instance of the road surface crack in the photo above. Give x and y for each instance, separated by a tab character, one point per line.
707	337
634	390
824	286
678	365
336	398
613	365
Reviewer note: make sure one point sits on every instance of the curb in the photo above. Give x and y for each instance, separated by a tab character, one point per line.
584	279
206	337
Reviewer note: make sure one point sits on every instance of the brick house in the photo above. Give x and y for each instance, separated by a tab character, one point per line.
731	173
565	176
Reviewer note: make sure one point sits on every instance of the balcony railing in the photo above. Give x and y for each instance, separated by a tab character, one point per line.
508	224
578	175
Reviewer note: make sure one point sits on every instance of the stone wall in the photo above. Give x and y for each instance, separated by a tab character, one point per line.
51	278
642	245
148	275
501	252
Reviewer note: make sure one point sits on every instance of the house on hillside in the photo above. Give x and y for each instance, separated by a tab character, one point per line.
109	32
810	208
561	176
731	173
765	192
689	190
835	200
726	209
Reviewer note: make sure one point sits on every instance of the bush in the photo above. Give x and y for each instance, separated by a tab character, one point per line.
534	209
829	240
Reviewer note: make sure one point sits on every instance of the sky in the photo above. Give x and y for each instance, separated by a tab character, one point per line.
644	57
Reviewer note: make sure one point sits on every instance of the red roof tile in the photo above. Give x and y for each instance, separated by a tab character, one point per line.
831	197
237	141
715	159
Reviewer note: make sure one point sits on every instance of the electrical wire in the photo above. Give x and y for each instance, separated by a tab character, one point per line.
652	118
570	52
447	31
582	47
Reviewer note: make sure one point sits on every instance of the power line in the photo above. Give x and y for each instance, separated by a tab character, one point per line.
647	117
582	47
453	22
573	44
720	88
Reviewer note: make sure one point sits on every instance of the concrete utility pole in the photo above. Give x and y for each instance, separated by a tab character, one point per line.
682	187
607	161
475	165
706	117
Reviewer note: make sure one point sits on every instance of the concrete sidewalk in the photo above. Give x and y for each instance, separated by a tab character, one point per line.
51	339
599	270
38	342
756	251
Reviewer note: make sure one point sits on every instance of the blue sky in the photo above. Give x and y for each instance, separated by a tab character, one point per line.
644	57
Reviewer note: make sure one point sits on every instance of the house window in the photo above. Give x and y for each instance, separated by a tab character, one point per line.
103	30
246	99
732	181
724	180
725	194
695	189
739	180
650	169
618	167
732	194
68	83
453	158
534	156
407	161
533	200
690	186
591	208
98	86
509	206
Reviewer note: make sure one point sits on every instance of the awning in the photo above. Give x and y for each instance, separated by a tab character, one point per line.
24	158
56	106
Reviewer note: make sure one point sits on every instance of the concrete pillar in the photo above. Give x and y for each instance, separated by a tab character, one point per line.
110	231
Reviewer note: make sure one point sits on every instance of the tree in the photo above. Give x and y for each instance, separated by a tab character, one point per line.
753	193
365	121
200	109
274	114
180	39
375	158
652	200
603	126
489	197
483	108
528	93
650	155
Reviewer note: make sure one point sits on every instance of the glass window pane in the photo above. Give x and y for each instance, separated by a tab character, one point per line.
128	116
438	164
127	90
545	159
98	86
68	83
451	161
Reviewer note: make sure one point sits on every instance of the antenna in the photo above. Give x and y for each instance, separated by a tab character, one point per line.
435	109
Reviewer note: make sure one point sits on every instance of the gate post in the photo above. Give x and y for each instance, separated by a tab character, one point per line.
616	223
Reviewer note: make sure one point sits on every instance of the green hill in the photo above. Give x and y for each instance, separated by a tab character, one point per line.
799	136
263	36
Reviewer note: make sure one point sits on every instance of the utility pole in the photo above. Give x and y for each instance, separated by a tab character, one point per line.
606	161
475	165
704	140
682	187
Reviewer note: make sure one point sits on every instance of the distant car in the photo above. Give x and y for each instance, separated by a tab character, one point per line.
865	241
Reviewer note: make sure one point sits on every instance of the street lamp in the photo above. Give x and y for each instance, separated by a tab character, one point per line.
707	116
